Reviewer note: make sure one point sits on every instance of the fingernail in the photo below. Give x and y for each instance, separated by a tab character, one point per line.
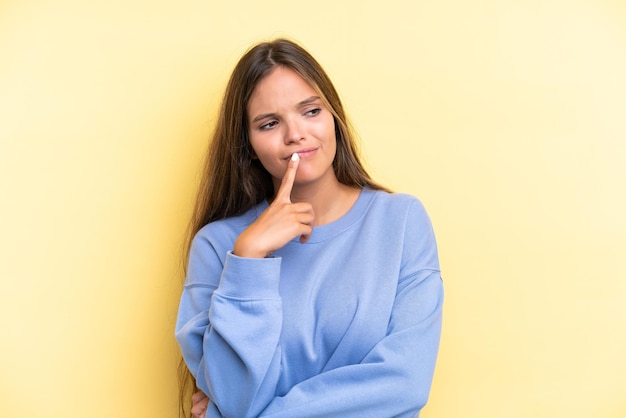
295	156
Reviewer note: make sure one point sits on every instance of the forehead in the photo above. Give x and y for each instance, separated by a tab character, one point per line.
281	86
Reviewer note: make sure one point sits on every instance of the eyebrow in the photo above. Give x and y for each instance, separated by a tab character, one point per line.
304	102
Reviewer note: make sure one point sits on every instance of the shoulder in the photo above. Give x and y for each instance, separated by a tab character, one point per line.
398	214
401	205
211	245
218	237
401	218
404	213
225	229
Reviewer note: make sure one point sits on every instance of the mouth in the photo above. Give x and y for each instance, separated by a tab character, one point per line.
303	153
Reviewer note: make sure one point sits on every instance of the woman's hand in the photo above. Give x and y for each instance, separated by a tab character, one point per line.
199	404
281	222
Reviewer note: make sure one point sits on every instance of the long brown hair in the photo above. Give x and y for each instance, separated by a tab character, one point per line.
232	180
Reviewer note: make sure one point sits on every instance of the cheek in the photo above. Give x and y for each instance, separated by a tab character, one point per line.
259	151
267	157
329	130
275	169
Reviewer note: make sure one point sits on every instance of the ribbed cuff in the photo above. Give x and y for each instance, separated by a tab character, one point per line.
250	278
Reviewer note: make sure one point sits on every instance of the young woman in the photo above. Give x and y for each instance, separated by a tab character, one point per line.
310	291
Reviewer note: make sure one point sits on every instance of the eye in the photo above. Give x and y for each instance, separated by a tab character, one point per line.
268	125
313	112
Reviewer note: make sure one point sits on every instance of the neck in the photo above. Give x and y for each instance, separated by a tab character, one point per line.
330	200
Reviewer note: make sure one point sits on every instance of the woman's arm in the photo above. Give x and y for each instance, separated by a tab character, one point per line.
394	379
230	314
229	334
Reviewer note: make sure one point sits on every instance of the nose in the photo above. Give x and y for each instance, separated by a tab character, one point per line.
294	132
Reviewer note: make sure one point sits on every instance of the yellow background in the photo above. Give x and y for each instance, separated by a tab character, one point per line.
507	118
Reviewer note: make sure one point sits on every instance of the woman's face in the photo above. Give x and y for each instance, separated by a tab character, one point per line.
287	116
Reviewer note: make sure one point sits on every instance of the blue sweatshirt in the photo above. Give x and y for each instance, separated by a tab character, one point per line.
345	325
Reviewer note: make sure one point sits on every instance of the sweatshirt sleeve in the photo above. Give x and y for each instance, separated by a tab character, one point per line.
228	328
394	378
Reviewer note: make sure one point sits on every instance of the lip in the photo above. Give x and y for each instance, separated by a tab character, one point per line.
303	153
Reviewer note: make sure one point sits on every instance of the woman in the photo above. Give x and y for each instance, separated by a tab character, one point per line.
310	291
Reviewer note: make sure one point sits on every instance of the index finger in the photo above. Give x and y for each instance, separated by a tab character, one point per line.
284	191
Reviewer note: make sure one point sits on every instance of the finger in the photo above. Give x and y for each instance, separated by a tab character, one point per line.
284	191
197	397
307	222
304	238
200	408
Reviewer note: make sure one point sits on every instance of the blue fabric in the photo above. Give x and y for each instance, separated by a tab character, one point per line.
345	325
